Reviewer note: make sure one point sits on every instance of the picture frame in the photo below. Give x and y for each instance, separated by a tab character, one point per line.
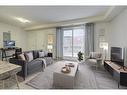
50	38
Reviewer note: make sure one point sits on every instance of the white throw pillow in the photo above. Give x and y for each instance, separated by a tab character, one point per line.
29	56
95	55
41	54
46	53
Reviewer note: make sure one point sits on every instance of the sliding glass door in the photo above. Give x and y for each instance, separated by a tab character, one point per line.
67	43
78	41
73	42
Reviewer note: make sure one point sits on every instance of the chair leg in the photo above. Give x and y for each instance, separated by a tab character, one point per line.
17	81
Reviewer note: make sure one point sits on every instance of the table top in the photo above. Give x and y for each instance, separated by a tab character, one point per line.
8	67
116	67
61	64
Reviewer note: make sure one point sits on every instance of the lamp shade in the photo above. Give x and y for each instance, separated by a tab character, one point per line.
49	47
104	45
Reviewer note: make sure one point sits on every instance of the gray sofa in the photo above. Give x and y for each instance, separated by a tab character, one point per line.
34	65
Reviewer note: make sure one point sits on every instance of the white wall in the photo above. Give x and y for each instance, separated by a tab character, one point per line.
99	28
118	34
17	34
38	39
28	40
115	31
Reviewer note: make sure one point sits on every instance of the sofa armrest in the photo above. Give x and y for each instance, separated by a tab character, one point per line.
22	63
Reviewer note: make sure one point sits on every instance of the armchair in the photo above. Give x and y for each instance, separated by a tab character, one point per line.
96	57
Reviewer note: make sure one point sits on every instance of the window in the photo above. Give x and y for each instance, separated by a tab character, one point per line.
73	41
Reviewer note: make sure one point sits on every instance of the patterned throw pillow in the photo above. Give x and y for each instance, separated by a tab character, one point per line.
41	54
21	56
29	56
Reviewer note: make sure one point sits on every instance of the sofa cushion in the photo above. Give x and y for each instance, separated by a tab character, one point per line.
45	53
21	56
35	54
41	54
34	66
29	56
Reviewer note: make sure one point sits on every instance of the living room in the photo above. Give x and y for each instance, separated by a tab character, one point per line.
55	35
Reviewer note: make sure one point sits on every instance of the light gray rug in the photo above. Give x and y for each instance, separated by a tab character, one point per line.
88	77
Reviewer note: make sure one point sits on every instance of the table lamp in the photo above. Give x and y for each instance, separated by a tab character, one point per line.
49	47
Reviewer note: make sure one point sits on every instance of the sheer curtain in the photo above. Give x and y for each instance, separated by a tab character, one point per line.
59	42
89	38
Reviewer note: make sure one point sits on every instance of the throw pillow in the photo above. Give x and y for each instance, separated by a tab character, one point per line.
91	54
29	56
41	54
46	53
35	54
21	56
98	55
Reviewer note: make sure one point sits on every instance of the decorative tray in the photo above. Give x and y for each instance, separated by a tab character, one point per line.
66	69
71	64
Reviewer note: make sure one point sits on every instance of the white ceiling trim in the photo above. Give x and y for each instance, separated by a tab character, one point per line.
113	12
109	15
65	23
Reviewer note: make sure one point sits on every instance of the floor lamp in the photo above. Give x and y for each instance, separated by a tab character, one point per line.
104	46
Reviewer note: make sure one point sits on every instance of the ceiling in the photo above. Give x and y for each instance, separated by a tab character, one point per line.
42	15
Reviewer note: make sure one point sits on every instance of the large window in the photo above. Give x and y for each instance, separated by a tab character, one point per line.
73	41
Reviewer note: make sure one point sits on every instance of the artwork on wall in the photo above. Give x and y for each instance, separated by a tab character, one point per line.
101	38
102	32
6	36
101	35
50	38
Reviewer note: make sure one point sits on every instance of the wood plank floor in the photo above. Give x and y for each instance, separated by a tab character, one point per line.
88	77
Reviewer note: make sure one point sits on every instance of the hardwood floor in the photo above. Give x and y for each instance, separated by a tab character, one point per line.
88	77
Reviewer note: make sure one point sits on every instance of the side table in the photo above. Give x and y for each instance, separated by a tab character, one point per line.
50	55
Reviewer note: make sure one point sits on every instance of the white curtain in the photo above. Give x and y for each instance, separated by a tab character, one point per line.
89	38
59	42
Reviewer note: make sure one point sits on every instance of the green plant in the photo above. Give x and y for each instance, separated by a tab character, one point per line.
80	56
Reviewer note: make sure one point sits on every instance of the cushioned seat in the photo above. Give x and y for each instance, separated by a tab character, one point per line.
95	58
36	60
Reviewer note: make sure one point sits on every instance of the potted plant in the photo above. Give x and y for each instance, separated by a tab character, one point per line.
80	56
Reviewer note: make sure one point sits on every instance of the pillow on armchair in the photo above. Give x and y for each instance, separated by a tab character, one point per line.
94	55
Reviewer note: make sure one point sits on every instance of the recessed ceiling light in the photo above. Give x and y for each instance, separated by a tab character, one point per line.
23	20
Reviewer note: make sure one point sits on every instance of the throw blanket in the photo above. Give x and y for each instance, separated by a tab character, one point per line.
44	61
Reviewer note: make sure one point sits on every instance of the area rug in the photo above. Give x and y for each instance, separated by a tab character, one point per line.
86	78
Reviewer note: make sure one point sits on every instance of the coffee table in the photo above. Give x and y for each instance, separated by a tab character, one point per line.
64	80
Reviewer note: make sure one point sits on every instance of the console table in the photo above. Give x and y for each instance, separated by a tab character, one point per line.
118	74
5	50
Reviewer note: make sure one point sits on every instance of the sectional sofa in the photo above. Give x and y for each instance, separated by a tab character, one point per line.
32	61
